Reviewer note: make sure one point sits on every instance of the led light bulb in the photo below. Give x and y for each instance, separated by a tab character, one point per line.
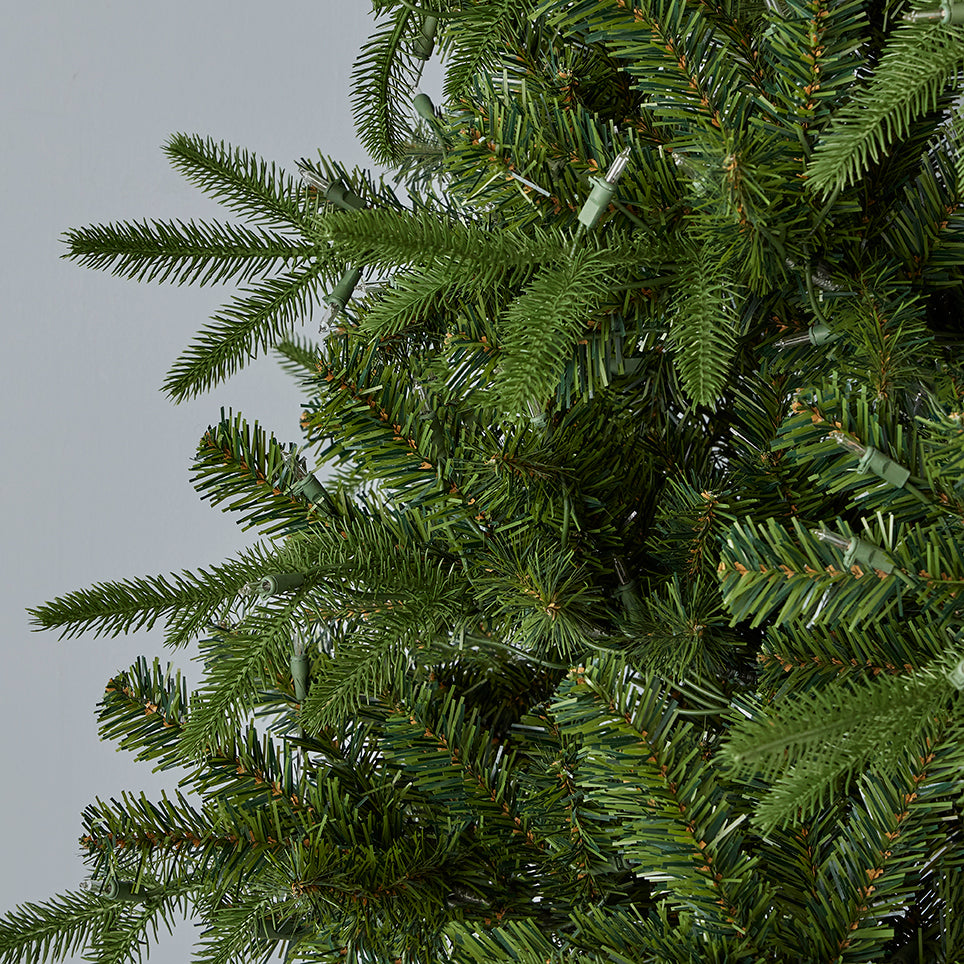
833	538
857	552
329	318
335	192
536	414
317	182
873	460
618	166
848	443
278	582
341	294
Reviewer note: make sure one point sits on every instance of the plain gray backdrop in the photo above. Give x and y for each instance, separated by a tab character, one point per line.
96	479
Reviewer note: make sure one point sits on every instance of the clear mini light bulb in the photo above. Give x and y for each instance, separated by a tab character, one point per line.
833	538
851	444
334	192
314	180
856	551
329	317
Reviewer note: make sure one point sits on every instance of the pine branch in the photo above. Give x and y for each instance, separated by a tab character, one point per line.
913	71
703	327
542	600
768	577
451	759
384	239
144	709
381	77
642	766
888	336
241	463
896	830
814	50
485	30
397	604
420	296
112	608
518	942
242	328
235	672
251	771
806	746
52	930
234	937
128	937
299	358
240	181
203	253
220	846
543	324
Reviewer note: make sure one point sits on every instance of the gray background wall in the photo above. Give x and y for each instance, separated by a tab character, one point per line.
95	477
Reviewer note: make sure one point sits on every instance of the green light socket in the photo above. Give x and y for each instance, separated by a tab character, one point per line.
866	555
299	675
820	334
341	294
890	471
425	108
280	582
425	43
309	488
123	890
342	197
597	202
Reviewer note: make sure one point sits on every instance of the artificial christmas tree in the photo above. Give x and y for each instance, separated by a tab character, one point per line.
629	626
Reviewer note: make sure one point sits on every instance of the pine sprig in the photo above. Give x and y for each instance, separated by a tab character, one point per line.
703	329
144	710
54	929
381	78
482	38
236	666
241	181
769	576
113	608
915	67
673	809
384	239
543	324
252	471
176	252
243	328
805	746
